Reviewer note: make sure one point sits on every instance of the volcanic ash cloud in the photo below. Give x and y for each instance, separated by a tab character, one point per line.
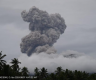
45	30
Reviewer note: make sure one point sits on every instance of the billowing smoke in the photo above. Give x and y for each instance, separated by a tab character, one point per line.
45	31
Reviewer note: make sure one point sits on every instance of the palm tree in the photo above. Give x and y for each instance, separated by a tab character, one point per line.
24	71
2	62
52	76
43	73
6	70
15	65
36	70
59	70
37	73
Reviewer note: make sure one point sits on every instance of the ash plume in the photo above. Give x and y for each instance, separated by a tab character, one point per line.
45	31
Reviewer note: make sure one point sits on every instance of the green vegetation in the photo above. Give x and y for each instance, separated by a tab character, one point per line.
42	74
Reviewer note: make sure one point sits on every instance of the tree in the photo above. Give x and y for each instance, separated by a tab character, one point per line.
36	70
59	70
37	73
15	65
43	73
52	76
2	62
6	70
24	71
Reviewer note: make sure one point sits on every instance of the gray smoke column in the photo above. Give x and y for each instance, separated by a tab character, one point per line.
45	30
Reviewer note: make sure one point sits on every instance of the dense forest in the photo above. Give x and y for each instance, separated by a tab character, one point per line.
15	72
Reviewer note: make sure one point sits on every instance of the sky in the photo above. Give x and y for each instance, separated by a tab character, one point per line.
79	36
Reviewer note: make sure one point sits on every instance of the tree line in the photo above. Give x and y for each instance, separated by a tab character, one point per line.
14	70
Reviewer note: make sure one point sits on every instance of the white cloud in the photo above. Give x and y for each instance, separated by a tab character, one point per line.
52	61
